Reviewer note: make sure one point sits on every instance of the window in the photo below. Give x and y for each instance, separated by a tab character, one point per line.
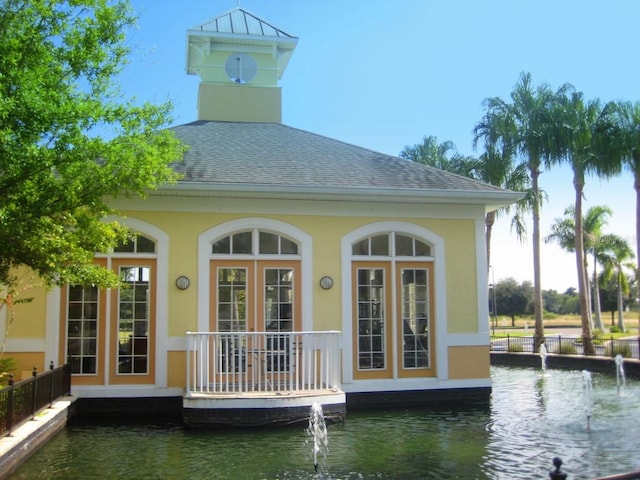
278	294
415	317
133	321
138	244
243	243
380	245
411	247
232	300
82	329
371	318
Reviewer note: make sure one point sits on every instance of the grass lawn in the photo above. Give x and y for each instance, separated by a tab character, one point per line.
525	325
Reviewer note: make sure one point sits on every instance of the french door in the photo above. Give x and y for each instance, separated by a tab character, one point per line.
382	313
260	298
108	336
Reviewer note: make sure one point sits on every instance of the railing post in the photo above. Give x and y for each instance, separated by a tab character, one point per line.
188	383
11	406
51	384
34	397
613	349
508	343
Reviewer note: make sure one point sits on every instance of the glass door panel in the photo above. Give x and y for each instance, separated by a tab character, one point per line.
278	317
231	316
415	327
133	321
415	322
82	329
372	321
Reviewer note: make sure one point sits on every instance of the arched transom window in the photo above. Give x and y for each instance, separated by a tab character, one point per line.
391	244
254	242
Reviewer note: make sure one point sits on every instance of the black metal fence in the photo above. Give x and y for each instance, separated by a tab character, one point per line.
22	400
568	345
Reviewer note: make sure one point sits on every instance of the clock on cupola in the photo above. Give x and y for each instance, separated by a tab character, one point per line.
239	58
241	67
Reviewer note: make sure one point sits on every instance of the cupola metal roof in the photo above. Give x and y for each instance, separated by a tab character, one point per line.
239	21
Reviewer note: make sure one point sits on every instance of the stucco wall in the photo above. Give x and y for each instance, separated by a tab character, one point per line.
183	230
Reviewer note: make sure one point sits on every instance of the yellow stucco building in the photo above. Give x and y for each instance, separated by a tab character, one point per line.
284	268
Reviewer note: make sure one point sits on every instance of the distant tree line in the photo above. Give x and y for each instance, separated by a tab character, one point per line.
508	298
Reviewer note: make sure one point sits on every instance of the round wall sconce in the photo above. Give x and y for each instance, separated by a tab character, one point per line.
326	282
183	282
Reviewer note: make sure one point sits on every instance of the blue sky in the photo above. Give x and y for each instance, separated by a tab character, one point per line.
383	74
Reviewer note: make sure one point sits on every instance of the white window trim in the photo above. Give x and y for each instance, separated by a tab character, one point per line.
439	289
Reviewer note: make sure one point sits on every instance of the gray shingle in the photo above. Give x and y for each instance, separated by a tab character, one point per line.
270	154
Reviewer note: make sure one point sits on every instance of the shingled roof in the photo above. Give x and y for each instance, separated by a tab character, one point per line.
273	157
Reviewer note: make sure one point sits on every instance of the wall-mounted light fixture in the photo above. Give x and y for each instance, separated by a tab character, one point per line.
183	282
326	282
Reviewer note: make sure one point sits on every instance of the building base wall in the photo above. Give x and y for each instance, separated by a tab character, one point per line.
464	397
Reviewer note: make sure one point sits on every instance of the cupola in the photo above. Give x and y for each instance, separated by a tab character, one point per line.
239	58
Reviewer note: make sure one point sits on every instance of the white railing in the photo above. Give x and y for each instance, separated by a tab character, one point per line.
262	362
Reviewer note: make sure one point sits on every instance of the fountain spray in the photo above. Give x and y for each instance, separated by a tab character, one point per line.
588	396
620	380
318	430
543	357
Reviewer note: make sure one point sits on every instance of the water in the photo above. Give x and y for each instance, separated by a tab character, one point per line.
532	418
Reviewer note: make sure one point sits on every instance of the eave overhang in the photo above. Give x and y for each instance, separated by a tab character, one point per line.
492	200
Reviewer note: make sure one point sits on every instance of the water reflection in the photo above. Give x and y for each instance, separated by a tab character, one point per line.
531	420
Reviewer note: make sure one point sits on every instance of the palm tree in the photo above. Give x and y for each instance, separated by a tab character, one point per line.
580	124
526	128
616	258
496	167
627	139
563	232
443	156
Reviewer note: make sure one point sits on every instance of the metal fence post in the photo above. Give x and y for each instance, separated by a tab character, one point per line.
51	384
10	407
34	397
